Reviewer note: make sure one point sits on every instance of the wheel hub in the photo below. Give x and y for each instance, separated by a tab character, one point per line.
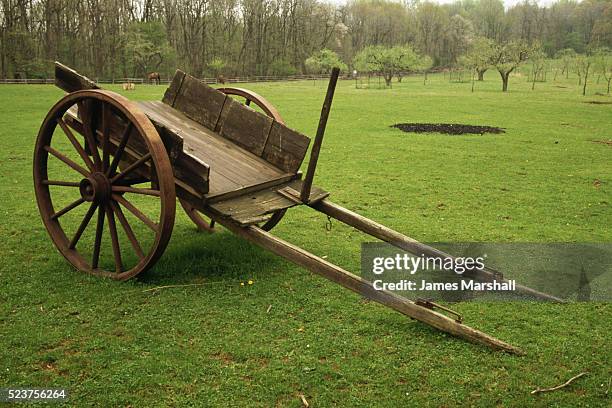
96	188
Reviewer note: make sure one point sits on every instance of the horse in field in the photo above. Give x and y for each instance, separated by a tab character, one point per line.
154	77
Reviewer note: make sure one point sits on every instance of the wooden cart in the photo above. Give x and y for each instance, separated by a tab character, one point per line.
223	160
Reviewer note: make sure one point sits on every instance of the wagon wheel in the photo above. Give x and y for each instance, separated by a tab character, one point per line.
114	131
270	110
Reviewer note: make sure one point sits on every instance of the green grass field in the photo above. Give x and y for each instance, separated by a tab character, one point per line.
290	332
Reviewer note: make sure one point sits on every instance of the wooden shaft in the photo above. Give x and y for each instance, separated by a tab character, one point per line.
316	147
359	285
413	246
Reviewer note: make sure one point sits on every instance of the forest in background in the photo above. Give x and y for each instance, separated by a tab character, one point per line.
130	38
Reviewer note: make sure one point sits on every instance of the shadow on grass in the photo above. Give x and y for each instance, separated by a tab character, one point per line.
195	256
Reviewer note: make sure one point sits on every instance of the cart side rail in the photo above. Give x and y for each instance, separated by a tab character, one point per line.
69	80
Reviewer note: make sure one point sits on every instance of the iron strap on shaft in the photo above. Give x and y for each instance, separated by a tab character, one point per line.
316	147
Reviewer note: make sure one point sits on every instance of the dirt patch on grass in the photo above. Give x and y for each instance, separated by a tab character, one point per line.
446	128
225	358
599	102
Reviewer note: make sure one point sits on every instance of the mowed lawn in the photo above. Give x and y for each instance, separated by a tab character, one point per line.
290	332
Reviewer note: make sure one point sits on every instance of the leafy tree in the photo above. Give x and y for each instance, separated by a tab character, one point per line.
386	61
479	57
489	18
459	33
146	46
507	57
217	65
282	67
323	61
363	64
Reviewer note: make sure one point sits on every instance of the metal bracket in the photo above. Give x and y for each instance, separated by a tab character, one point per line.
431	305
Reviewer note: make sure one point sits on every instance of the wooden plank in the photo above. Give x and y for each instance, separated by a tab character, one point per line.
70	81
199	102
186	166
413	246
363	287
285	148
251	188
250	207
316	147
174	88
244	126
231	167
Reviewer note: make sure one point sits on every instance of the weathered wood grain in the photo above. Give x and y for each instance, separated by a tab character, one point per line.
285	148
174	88
199	101
231	167
316	147
245	190
248	209
244	126
189	171
70	81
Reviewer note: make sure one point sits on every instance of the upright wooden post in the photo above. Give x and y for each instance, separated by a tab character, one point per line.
316	147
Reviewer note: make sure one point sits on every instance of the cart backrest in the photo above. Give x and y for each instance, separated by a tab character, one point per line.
261	135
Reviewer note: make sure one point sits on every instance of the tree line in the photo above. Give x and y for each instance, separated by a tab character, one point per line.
130	38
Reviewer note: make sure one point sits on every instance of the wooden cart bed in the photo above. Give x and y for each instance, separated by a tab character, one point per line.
221	150
231	167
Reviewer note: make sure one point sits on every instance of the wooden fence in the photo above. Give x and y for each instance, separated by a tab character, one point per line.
166	81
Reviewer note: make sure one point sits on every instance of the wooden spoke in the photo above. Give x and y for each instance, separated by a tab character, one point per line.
128	229
105	137
130	181
137	213
98	241
89	134
131	168
247	102
114	239
144	191
124	139
67	161
69	207
61	183
76	144
102	133
84	223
